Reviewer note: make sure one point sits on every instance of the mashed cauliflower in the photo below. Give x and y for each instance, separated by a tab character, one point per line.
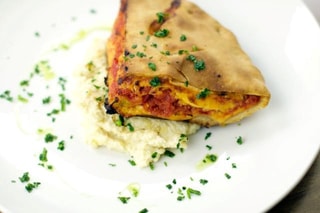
140	137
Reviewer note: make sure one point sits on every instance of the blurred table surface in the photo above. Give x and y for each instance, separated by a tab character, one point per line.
305	197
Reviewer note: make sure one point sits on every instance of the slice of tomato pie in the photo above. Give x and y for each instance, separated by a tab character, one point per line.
169	59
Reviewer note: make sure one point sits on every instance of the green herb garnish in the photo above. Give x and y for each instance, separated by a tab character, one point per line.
151	165
30	186
161	17
43	156
61	145
162	33
154	155
191	191
209	147
124	200
130	127
134	46
203	94
22	99
154	82
191	58
227	175
169	154
119	121
203	181
25	177
152	66
24	83
46	100
239	140
6	95
208	135
141	54
145	210
199	65
50	138
183	37
210	158
132	162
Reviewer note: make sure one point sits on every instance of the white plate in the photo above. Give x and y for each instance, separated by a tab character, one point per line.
280	142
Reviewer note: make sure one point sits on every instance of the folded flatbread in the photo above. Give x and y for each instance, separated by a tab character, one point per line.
169	59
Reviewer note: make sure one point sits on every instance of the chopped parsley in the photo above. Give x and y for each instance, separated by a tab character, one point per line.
191	58
227	175
140	54
169	186
154	155
208	135
132	162
161	17
191	191
169	154
22	99
134	189
151	165
124	200
183	138
145	210
234	165
162	33
203	93
119	121
61	145
134	46
130	127
239	140
154	82
6	95
152	66
203	181
181	52
46	100
24	83
37	34
30	186
210	158
93	11
154	45
63	102
62	82
43	156
209	147
49	137
199	65
25	177
183	37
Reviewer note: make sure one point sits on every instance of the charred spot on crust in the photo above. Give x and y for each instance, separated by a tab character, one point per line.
124	5
120	81
222	93
175	3
109	109
126	53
